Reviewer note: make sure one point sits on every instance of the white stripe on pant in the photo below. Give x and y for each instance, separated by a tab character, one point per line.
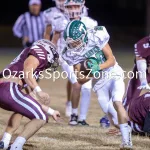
25	105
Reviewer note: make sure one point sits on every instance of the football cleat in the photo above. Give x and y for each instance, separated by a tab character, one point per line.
68	110
83	123
126	146
13	148
104	122
73	120
1	145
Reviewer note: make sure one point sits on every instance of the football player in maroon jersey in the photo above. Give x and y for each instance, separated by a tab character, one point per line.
23	72
141	70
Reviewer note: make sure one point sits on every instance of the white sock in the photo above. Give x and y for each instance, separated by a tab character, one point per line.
113	112
18	144
84	103
124	128
75	111
68	103
6	139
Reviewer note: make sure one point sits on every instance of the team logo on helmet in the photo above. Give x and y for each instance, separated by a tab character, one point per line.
75	36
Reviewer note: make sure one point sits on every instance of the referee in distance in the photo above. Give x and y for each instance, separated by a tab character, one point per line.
30	25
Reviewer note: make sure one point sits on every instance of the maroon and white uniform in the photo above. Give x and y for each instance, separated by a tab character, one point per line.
15	68
12	98
137	111
142	50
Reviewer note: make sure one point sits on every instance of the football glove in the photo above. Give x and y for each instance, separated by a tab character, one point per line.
93	65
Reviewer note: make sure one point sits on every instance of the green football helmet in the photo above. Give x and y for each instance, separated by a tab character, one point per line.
73	8
75	36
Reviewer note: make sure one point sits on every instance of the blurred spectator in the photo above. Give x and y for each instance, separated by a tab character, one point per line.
30	25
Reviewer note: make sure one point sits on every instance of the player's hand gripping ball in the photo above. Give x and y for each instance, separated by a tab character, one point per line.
90	65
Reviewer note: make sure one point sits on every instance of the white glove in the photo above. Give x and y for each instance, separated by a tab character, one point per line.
144	87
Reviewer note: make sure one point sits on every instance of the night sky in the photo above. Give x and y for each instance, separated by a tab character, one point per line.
108	12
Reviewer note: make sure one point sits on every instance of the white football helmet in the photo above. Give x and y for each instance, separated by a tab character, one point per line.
52	55
60	4
74	8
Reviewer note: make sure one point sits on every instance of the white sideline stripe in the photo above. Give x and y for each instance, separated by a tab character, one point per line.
41	55
21	103
42	58
30	101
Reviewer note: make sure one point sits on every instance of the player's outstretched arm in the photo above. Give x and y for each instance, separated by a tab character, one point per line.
30	64
110	59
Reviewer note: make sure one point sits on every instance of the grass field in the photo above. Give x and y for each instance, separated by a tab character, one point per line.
54	136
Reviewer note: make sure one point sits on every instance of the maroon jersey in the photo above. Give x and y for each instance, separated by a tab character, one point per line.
15	68
142	49
139	108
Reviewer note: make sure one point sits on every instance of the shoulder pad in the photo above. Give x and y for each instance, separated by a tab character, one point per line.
101	36
89	22
101	32
60	23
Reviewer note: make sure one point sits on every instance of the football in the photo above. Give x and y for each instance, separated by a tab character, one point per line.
83	68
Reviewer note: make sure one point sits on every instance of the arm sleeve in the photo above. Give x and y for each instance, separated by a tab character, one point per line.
18	26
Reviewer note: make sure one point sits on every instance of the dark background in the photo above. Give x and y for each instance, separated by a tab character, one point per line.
125	20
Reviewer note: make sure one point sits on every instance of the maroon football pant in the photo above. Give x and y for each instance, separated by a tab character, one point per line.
13	99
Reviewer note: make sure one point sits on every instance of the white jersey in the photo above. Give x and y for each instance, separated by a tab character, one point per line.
89	23
97	39
51	15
